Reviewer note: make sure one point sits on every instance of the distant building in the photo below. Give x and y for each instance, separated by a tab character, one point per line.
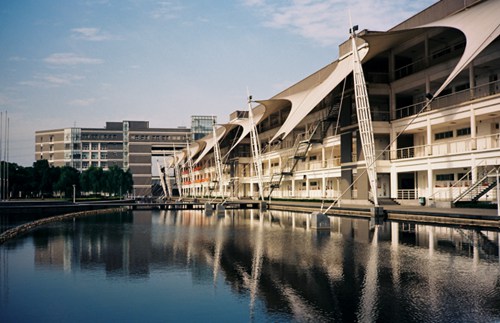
202	125
127	144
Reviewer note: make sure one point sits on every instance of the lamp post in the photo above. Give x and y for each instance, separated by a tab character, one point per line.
74	193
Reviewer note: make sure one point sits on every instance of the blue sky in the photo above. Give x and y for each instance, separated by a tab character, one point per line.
65	63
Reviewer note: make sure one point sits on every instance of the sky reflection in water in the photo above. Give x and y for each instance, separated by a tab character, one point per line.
186	266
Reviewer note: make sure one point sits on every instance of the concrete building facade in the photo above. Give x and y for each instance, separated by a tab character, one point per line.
127	144
434	95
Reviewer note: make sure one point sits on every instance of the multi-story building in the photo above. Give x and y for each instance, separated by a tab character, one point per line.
202	126
128	144
434	94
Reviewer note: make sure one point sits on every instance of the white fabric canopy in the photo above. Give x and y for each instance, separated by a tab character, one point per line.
210	141
480	25
305	101
179	157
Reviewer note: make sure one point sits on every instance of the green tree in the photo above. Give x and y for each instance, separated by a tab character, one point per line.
68	177
42	177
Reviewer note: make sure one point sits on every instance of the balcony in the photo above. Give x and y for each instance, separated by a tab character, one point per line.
452	99
439	56
448	147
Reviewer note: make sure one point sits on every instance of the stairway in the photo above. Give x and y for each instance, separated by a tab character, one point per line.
387	201
302	146
477	190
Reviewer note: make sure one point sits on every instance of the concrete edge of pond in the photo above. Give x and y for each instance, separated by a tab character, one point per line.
23	228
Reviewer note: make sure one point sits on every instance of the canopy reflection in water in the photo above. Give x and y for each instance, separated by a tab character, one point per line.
247	265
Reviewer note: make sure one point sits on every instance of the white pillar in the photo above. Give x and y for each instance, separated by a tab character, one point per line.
394	144
430	181
323	186
429	137
394	183
473	134
323	156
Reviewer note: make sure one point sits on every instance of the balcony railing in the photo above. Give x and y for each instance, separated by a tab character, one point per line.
408	194
466	95
436	57
448	147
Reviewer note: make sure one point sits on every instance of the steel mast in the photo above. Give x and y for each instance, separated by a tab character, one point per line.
364	116
255	143
218	160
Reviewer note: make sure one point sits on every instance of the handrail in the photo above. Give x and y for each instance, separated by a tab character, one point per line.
474	186
461	178
447	100
411	152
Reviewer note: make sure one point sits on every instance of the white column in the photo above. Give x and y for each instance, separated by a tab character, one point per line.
323	186
394	144
473	133
429	137
430	181
323	155
394	183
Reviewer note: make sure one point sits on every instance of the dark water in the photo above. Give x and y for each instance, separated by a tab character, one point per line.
159	266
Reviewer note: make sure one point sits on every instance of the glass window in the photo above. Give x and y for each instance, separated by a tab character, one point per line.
445	177
443	135
463	132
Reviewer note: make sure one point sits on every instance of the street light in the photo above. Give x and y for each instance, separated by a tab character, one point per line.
74	194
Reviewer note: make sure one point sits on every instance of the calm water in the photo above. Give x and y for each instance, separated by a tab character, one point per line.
162	266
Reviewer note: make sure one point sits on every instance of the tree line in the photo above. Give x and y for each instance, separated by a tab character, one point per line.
43	180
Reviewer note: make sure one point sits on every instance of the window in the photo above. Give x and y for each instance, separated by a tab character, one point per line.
445	177
463	132
443	135
95	146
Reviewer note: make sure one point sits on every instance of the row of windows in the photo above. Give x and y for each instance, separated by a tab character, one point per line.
451	177
95	136
157	137
449	134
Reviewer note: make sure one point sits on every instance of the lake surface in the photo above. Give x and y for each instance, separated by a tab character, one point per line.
185	266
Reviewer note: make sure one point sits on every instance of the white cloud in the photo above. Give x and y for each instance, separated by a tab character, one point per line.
90	34
71	59
17	59
326	22
52	80
83	102
167	10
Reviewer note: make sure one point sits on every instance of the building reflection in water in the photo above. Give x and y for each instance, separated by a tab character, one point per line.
356	271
